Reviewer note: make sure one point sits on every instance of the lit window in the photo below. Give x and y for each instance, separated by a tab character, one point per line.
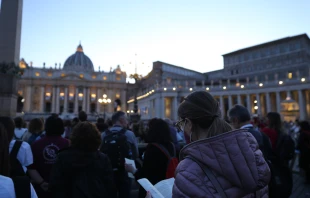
94	76
49	74
37	74
81	76
62	75
290	75
117	96
118	78
104	78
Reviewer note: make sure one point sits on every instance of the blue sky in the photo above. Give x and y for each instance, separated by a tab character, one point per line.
192	34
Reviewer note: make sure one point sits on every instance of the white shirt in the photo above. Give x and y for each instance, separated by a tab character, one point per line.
19	132
24	154
7	188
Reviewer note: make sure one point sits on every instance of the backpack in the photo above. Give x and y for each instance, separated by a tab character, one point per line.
15	165
172	160
117	148
18	175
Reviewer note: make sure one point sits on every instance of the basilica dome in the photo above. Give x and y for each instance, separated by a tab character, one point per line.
79	61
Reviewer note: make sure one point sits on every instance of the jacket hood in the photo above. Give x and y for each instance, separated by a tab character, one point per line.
234	156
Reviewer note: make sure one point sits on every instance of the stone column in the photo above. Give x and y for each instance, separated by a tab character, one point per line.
288	95
302	106
10	30
158	107
54	100
84	99
88	100
162	104
28	99
230	103
76	100
66	101
123	99
239	99
259	105
222	107
97	103
248	103
57	100
268	102
175	109
278	101
42	100
110	95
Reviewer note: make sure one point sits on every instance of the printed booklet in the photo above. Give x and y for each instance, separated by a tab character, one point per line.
162	189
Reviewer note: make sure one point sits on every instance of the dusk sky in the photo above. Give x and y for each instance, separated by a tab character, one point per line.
192	34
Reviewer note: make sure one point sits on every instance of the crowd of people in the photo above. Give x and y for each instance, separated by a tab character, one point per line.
208	156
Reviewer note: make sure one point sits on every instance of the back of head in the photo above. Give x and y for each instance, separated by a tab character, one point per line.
117	116
168	121
158	131
4	152
82	116
274	121
86	137
54	126
240	112
203	110
9	126
35	125
304	125
100	120
19	122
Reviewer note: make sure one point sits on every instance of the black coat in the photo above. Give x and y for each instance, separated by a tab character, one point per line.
155	164
82	174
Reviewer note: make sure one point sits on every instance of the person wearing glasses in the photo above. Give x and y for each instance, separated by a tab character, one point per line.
218	161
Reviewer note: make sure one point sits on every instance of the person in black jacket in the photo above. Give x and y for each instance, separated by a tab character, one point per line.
154	160
82	171
240	118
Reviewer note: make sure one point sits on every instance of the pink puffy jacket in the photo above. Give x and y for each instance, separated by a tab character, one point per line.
235	160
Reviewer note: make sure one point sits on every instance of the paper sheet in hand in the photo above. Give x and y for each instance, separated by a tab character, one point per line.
131	162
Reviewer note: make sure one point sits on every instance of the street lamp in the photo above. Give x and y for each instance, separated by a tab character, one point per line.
104	100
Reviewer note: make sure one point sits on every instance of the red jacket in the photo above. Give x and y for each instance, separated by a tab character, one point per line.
272	134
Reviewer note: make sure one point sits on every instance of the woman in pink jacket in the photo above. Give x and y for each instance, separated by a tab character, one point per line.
219	161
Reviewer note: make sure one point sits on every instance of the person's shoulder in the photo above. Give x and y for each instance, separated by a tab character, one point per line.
130	132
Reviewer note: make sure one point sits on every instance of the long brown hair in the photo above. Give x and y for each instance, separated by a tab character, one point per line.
274	122
4	152
203	110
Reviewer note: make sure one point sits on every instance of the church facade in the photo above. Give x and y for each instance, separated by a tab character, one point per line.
69	89
273	76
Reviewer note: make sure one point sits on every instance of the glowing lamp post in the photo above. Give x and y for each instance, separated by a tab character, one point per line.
104	101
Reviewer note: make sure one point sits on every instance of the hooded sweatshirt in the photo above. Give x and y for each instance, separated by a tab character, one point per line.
235	160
